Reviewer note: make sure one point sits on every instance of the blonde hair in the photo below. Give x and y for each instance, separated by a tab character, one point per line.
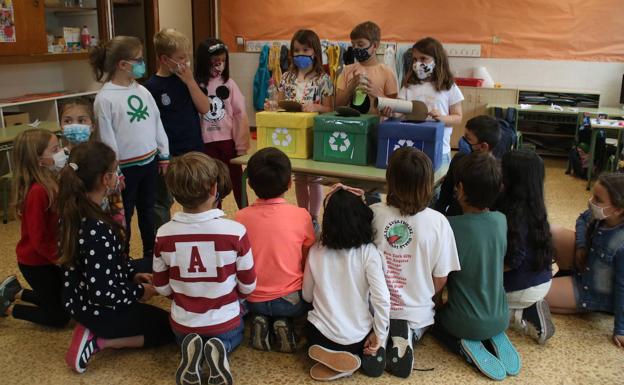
190	178
82	102
28	147
106	55
167	41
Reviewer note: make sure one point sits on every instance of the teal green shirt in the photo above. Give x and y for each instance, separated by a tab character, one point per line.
477	305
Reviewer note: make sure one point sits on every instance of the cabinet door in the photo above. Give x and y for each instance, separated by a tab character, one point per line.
487	96
30	34
468	111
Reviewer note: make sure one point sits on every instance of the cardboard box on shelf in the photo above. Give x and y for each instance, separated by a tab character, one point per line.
16	118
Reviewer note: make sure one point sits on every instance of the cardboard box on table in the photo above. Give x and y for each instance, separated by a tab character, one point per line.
342	139
291	132
427	136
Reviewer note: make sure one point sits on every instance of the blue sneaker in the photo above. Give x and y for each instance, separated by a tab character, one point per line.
476	354
506	353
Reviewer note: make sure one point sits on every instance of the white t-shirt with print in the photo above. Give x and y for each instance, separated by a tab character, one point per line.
440	100
413	248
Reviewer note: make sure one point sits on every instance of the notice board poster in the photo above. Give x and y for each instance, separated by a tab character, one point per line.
7	22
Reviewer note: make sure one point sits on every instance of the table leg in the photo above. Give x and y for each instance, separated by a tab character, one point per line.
244	189
592	152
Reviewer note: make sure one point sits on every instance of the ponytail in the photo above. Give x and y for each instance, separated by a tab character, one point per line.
106	55
97	58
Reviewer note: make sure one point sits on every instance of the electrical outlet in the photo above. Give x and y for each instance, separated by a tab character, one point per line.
463	50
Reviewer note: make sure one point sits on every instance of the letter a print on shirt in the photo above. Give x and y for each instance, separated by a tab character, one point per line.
196	262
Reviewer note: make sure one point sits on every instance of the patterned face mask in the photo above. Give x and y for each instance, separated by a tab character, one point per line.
423	70
77	133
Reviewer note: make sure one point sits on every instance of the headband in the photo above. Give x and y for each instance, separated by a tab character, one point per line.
217	46
74	166
339	186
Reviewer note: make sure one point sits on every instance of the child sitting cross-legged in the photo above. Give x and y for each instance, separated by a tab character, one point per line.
473	321
204	262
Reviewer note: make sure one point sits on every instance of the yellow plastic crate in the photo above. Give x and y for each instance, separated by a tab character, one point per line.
291	132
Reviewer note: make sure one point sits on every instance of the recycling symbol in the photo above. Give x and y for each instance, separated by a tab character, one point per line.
403	143
281	137
339	141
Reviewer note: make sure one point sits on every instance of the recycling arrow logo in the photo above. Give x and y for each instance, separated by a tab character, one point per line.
339	141
281	137
403	143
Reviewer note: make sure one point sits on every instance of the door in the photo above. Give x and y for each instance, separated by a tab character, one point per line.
204	21
29	32
468	111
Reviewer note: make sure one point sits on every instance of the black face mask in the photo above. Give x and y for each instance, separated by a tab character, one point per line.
362	54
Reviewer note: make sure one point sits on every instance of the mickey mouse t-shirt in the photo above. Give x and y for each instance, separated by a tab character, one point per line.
227	118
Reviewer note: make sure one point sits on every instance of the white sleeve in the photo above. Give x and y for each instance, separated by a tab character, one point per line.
307	290
447	258
104	116
379	293
455	95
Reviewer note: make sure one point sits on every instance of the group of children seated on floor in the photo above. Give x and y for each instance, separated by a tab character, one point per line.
367	285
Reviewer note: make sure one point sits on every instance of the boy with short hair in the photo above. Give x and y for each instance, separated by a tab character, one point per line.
367	76
204	262
180	101
476	312
482	135
281	235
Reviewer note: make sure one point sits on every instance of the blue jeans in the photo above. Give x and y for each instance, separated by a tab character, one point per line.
278	307
231	339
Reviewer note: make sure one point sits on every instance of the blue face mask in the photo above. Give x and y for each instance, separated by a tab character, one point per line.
138	69
77	133
303	61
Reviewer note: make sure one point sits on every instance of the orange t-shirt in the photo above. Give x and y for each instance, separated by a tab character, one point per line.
380	75
278	233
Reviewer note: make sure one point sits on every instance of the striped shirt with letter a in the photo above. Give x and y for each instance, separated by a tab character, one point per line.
204	263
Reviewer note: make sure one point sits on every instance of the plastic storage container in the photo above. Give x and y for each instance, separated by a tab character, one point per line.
291	132
469	82
425	136
342	139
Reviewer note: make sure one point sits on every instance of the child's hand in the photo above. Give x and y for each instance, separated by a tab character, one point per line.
435	113
148	292
618	341
388	112
310	107
580	257
182	70
163	167
143	278
372	344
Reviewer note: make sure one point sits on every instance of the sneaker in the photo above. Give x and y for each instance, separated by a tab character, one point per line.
284	335
216	359
400	360
320	372
9	289
260	333
338	361
537	322
506	353
476	354
83	347
373	366
188	372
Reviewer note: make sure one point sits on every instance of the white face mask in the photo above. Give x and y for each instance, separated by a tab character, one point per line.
598	212
423	70
60	160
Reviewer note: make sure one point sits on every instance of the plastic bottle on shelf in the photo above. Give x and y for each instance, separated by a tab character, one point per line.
272	94
85	37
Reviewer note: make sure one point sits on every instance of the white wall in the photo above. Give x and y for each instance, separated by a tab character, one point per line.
176	14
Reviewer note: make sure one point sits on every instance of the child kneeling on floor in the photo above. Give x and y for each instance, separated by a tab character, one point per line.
473	321
343	272
204	262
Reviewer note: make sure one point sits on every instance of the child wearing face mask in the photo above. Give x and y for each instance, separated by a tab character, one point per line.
225	127
37	158
307	83
430	80
180	101
595	257
129	122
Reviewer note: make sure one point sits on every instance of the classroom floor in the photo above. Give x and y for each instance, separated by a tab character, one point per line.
581	351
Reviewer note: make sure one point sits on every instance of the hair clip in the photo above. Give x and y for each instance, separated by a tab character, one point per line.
74	166
217	46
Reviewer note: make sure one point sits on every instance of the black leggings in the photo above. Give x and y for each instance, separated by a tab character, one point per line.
139	319
46	283
315	337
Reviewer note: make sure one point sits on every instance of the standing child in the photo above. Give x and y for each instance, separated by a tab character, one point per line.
101	289
307	83
179	100
204	262
529	255
225	127
595	255
281	235
37	159
129	122
418	249
473	321
343	272
430	81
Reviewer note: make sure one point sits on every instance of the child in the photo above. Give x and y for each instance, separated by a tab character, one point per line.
307	83
179	101
595	257
476	314
342	271
101	289
225	127
529	255
129	122
430	81
281	235
482	134
36	159
204	262
418	249
78	121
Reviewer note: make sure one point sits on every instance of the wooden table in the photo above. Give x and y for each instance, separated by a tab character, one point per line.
369	178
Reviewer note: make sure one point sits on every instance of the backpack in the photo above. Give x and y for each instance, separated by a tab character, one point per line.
579	153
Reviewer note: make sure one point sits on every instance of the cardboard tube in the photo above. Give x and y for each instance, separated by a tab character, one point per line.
397	105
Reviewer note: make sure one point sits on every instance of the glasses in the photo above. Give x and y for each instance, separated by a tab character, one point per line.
137	60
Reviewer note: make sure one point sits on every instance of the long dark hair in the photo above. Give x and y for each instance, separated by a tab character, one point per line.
347	221
308	38
93	160
442	77
614	184
522	201
207	49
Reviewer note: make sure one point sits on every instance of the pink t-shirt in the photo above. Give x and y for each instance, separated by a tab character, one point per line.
278	233
227	118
